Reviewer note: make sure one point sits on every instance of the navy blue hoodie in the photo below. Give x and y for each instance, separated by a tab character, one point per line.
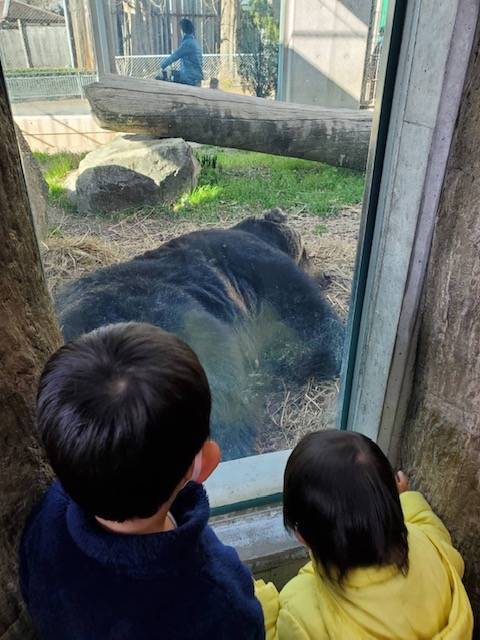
81	582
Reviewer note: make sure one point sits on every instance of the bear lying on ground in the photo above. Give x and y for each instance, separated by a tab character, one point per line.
240	297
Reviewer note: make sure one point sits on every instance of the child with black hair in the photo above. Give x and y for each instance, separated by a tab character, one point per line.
120	548
383	564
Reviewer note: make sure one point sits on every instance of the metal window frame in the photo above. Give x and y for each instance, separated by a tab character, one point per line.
433	61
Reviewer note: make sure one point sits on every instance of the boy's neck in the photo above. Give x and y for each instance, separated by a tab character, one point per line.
158	523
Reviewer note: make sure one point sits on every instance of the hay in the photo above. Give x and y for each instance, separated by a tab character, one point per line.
67	258
293	413
82	244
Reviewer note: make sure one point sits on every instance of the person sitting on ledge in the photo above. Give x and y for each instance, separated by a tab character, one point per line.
190	55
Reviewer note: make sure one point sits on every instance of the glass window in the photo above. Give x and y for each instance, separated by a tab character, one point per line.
275	100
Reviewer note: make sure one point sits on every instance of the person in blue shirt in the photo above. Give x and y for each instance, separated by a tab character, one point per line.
190	55
120	547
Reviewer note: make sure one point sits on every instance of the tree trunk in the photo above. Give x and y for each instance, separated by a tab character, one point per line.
339	137
37	187
441	448
229	15
28	334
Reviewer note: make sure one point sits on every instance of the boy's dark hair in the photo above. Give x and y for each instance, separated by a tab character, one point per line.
186	26
341	496
122	412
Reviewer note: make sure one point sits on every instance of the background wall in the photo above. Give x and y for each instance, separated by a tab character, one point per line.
47	46
323	46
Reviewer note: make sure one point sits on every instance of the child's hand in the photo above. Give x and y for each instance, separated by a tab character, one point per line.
402	482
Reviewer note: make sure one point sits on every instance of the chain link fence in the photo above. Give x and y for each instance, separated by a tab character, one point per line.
149	66
48	86
36	84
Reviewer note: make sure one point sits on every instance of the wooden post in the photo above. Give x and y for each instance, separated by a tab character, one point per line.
82	34
28	334
102	37
339	137
441	447
25	45
229	15
70	39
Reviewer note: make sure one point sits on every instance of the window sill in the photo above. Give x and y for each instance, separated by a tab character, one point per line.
248	482
262	543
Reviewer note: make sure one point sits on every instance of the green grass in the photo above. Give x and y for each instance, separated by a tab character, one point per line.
55	169
257	181
234	183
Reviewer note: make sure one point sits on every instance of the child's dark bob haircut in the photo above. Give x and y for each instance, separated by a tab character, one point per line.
186	26
122	412
341	496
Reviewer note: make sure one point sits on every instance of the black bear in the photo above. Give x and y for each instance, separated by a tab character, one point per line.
240	297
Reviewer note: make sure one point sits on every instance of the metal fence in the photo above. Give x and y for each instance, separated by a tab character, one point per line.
148	66
30	86
42	85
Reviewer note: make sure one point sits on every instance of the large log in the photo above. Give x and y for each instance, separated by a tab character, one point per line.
339	137
28	334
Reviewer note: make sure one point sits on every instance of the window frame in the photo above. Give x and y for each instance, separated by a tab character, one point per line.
413	126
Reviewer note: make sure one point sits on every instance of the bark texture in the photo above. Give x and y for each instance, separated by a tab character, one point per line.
339	137
28	334
37	187
441	447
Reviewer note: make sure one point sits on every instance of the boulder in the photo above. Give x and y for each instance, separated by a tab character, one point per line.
131	171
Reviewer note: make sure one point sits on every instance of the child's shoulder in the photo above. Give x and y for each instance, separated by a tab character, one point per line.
51	506
299	589
300	615
224	562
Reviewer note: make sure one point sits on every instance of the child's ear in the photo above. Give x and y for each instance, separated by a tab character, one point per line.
211	456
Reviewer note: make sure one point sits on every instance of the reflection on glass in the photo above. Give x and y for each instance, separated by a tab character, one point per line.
250	256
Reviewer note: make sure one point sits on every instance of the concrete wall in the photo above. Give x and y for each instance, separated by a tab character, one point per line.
441	445
76	133
323	46
48	47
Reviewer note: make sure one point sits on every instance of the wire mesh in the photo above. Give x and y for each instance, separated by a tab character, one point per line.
47	87
148	66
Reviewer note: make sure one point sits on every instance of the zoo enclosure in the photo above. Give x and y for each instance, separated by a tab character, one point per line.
50	55
42	84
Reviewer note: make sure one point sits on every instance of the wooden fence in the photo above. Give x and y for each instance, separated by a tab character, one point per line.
24	46
143	27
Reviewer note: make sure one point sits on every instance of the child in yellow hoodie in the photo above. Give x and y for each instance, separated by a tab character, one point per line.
383	565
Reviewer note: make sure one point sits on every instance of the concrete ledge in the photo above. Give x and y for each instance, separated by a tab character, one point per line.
262	543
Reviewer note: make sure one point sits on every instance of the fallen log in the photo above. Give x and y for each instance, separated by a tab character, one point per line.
339	137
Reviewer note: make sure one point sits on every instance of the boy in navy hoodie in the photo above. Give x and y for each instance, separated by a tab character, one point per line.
120	548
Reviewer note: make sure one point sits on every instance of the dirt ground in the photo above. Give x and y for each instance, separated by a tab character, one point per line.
80	244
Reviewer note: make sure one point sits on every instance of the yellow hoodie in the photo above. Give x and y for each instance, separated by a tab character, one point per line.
379	603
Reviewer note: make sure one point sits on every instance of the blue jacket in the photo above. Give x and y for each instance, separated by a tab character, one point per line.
190	55
81	582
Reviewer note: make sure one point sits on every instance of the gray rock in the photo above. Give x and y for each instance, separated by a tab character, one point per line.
132	171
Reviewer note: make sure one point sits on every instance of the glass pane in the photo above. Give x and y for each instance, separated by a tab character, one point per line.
262	292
